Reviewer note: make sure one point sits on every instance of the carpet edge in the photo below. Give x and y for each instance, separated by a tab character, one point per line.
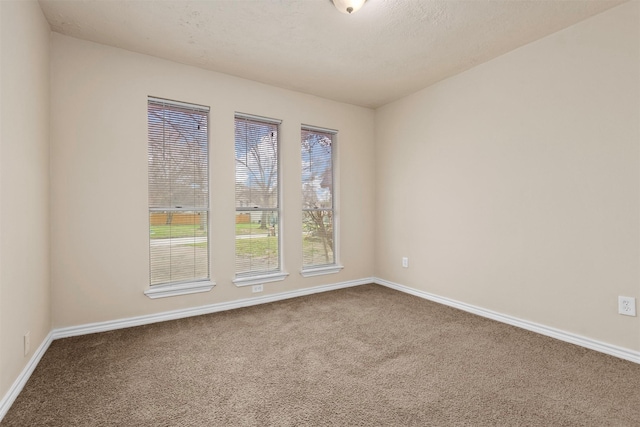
110	325
599	346
17	386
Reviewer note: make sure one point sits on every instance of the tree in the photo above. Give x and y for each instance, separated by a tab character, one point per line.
257	167
317	190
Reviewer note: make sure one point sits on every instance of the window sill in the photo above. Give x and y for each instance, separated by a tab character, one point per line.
319	271
257	280
163	291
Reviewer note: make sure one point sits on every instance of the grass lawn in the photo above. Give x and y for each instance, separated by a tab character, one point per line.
174	231
255	248
250	228
166	231
313	253
259	247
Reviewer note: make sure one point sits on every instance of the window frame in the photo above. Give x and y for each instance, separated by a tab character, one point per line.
262	276
189	286
335	266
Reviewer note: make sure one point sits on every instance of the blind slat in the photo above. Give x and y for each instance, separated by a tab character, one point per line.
318	232
177	104
257	195
256	147
178	191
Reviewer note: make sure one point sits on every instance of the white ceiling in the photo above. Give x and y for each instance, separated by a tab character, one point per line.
388	49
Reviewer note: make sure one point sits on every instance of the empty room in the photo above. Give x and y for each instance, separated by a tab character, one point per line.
319	212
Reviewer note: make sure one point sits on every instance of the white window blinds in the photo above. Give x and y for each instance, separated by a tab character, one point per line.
257	196
318	215
178	191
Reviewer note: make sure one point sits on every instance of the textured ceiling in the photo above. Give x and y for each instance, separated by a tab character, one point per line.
388	49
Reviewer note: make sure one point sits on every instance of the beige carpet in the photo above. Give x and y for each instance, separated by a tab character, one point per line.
364	356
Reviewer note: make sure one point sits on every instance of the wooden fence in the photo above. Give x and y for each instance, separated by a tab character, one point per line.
177	218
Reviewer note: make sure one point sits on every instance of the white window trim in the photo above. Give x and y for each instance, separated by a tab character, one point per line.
336	267
259	279
319	271
175	289
249	279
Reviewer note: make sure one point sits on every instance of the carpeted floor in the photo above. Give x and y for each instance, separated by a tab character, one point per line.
364	356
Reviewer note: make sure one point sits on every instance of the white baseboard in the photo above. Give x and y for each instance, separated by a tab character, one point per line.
111	325
612	350
91	328
24	376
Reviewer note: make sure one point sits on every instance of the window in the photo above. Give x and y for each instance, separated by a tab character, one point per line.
319	254
178	197
258	255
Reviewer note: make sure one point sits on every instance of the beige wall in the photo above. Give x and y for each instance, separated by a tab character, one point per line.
99	169
514	186
24	185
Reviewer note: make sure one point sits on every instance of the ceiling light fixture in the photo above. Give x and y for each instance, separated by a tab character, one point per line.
348	6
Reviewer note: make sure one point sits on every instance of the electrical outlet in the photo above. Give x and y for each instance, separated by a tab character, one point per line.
27	343
627	306
405	262
256	288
